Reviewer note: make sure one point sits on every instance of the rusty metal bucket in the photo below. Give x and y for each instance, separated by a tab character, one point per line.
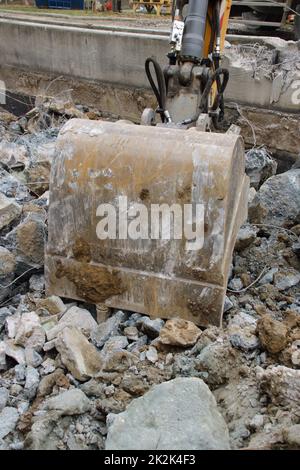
98	162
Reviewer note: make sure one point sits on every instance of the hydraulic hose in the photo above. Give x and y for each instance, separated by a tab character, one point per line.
221	88
160	90
203	106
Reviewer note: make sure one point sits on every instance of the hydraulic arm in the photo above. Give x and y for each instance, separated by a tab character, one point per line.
190	89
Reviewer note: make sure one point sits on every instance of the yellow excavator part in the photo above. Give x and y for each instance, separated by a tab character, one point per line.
98	162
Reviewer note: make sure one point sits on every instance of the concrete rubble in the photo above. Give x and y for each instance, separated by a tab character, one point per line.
68	381
161	420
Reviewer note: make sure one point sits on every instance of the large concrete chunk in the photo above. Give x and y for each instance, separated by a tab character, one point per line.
79	356
71	402
99	162
278	200
161	419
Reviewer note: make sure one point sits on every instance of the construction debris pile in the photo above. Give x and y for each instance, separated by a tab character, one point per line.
68	381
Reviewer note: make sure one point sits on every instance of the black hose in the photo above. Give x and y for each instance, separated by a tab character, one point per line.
160	90
221	87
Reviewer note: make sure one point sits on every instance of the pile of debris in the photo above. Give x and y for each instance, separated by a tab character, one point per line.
68	381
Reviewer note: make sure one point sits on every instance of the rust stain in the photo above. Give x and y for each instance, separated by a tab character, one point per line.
183	194
206	311
81	250
144	194
94	284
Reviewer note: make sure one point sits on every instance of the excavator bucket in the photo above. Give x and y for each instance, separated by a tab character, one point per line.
107	176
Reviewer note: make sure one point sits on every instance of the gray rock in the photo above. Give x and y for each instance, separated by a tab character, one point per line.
246	236
242	320
257	422
11	325
161	419
131	332
259	166
107	329
278	200
54	305
216	359
77	317
292	436
4	313
235	284
32	382
49	366
281	384
3	445
109	390
295	350
151	354
20	373
133	318
71	402
268	277
115	343
26	327
227	304
23	406
150	327
79	356
7	271
2	356
3	397
13	188
29	237
15	390
244	340
93	388
9	417
19	445
42	436
32	357
37	283
241	329
296	249
185	366
9	210
285	280
137	345
13	155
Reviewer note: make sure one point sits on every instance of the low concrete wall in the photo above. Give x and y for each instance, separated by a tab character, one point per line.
107	56
117	58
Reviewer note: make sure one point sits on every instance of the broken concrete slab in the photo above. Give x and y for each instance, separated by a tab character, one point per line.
259	166
77	317
79	356
71	402
161	420
278	200
179	332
